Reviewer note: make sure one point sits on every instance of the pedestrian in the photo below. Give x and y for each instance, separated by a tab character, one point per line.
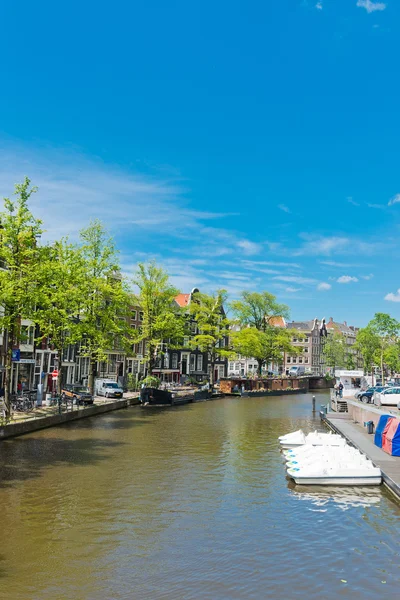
340	389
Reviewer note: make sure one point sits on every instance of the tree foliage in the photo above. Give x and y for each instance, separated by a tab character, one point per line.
105	302
256	309
386	329
335	351
163	321
265	346
207	310
59	299
20	264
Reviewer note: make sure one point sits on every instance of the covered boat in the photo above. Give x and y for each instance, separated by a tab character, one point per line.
391	438
382	424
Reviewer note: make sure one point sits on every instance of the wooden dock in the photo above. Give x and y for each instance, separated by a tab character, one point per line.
357	436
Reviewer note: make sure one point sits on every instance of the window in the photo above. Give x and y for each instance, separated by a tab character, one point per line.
199	362
288	359
174	361
237	366
141	316
193	328
305	349
133	325
300	359
294	339
294	359
231	366
306	359
192	362
134	315
185	342
166	360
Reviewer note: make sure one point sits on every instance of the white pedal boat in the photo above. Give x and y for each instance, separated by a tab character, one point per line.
320	474
298	439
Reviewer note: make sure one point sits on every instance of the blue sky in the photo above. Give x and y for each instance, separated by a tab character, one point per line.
248	145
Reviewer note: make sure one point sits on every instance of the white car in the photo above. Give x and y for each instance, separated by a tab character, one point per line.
388	396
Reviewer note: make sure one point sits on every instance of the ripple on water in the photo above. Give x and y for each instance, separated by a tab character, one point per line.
187	504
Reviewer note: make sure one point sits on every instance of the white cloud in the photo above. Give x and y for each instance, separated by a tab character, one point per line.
367	277
379	206
326	246
347	279
393	297
285	208
249	247
394	200
332	263
351	201
294	279
319	6
370	6
323	287
74	189
254	264
323	245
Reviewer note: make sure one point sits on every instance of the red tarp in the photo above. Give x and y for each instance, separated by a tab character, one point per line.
389	434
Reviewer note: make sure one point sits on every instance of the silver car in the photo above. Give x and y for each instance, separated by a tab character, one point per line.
387	397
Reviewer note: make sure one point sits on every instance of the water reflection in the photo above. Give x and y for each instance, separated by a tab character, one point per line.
190	503
340	498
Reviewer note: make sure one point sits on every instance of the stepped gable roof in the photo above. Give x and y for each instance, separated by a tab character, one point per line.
277	321
182	299
301	325
341	327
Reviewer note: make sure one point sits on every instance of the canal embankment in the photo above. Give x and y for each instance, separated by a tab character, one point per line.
351	426
51	416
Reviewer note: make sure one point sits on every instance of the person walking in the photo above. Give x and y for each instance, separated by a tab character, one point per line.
340	390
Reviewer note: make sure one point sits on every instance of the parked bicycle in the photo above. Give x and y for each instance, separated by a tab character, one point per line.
22	404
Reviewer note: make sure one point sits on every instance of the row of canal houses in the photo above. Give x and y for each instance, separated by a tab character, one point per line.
34	362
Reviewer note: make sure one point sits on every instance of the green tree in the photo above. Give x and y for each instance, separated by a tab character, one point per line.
334	350
62	288
256	309
368	343
20	264
163	321
386	328
265	346
391	358
105	302
209	314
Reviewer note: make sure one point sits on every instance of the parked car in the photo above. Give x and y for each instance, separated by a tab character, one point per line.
296	371
108	388
366	395
79	394
388	396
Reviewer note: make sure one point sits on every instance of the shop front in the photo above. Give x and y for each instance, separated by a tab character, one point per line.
350	380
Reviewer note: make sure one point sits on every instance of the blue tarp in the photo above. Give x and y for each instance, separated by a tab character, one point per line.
380	429
393	437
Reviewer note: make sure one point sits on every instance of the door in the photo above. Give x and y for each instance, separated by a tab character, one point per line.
184	363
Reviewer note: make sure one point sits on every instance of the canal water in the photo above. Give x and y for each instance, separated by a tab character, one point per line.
186	503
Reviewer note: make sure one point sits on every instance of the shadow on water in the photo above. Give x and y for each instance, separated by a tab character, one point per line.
120	419
26	457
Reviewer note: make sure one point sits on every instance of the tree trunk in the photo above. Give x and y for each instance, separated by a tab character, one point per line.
259	370
383	376
92	374
212	372
59	378
7	381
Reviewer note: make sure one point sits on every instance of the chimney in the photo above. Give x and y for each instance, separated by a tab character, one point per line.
330	319
344	323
